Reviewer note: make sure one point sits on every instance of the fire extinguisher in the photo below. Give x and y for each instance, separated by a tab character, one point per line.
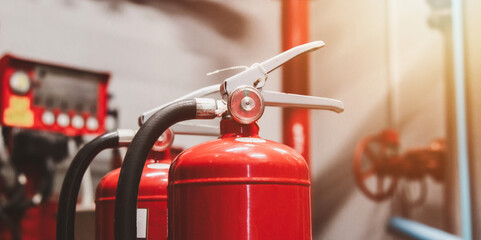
155	173
239	186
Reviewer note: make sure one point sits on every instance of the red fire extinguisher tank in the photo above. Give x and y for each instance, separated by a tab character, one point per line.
239	186
152	200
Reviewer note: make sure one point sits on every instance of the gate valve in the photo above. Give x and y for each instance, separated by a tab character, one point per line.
418	163
425	161
378	156
372	158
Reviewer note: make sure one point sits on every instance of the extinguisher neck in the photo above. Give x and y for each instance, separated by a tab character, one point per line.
157	156
231	128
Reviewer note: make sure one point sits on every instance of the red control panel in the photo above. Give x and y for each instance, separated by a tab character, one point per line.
49	97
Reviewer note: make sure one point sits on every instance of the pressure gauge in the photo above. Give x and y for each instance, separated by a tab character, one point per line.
78	122
20	83
48	118
245	104
92	124
63	120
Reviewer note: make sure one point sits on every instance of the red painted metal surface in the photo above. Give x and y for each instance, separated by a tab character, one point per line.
10	64
239	186
37	222
295	75
152	196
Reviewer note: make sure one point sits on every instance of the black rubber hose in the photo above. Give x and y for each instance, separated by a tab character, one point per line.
131	171
71	185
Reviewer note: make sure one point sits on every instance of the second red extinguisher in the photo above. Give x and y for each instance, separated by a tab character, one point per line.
152	204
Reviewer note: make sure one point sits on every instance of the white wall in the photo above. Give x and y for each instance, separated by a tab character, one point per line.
155	52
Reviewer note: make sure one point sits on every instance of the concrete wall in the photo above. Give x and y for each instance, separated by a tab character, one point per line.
381	59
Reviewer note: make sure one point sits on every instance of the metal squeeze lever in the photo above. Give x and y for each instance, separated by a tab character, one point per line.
256	75
244	97
295	100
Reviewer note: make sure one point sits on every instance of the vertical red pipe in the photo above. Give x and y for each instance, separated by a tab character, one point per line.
295	75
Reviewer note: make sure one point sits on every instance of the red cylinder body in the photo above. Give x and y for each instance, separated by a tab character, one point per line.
239	186
152	200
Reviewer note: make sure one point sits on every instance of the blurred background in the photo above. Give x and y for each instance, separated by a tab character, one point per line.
389	61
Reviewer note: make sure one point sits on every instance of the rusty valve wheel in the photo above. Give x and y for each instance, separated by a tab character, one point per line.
371	164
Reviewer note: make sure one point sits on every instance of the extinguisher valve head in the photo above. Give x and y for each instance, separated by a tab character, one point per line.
246	104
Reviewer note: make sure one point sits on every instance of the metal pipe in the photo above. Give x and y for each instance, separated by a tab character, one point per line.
460	102
417	230
295	75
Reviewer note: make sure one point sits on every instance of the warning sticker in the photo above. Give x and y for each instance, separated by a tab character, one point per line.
18	112
142	222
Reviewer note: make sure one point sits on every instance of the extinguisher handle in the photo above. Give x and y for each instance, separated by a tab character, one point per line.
256	75
279	99
198	93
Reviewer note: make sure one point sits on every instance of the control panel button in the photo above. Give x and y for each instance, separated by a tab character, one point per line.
48	118
92	124
78	122
63	120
